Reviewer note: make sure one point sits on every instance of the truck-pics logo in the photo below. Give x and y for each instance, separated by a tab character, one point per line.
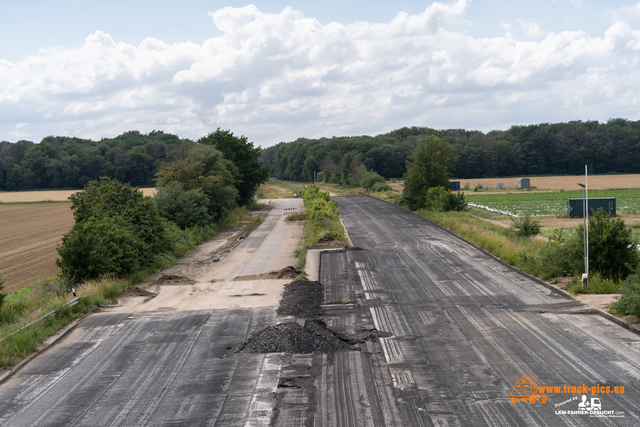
526	389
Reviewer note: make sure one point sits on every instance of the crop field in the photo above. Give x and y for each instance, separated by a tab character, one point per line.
30	235
555	183
549	203
48	196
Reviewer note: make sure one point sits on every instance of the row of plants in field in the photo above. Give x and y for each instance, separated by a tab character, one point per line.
550	203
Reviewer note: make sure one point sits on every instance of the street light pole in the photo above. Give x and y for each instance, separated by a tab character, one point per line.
585	213
586	197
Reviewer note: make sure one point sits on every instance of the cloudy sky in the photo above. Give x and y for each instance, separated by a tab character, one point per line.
278	70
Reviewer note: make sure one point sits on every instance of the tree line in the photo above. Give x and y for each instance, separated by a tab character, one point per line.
68	162
120	231
541	149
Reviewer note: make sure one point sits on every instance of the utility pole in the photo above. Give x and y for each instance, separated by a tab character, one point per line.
585	213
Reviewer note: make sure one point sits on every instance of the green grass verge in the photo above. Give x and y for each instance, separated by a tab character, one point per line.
322	221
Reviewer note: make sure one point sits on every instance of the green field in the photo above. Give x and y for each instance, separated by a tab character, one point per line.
550	203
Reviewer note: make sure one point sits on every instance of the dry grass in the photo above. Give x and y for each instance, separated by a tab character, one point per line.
49	196
272	191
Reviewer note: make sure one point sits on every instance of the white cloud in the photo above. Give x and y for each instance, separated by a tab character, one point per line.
275	77
531	28
625	13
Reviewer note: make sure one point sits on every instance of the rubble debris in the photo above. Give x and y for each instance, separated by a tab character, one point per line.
136	291
302	298
286	273
290	337
171	279
327	242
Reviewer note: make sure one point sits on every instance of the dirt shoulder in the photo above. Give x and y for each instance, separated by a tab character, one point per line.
242	267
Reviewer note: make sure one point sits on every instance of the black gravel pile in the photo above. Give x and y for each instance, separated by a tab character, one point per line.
302	298
290	337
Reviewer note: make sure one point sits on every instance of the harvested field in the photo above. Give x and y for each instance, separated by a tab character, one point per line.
30	235
48	196
555	183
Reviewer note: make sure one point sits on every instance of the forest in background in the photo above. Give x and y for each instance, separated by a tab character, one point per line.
135	158
66	162
542	149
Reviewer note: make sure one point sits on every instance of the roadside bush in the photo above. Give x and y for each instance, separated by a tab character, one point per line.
313	192
525	226
380	186
597	285
319	208
117	230
371	178
612	252
548	262
629	301
439	199
99	246
185	208
612	248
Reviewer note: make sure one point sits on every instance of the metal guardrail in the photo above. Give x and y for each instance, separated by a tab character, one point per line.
70	304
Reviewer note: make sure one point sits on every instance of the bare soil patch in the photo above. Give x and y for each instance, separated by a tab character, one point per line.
30	235
327	242
171	279
286	273
136	291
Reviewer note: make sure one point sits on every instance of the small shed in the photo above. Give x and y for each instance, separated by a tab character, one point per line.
455	185
607	204
524	183
500	186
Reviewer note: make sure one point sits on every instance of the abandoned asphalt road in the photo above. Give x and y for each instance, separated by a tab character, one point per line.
439	332
464	327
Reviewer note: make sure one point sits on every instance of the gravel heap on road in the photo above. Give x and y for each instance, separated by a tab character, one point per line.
302	298
290	337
